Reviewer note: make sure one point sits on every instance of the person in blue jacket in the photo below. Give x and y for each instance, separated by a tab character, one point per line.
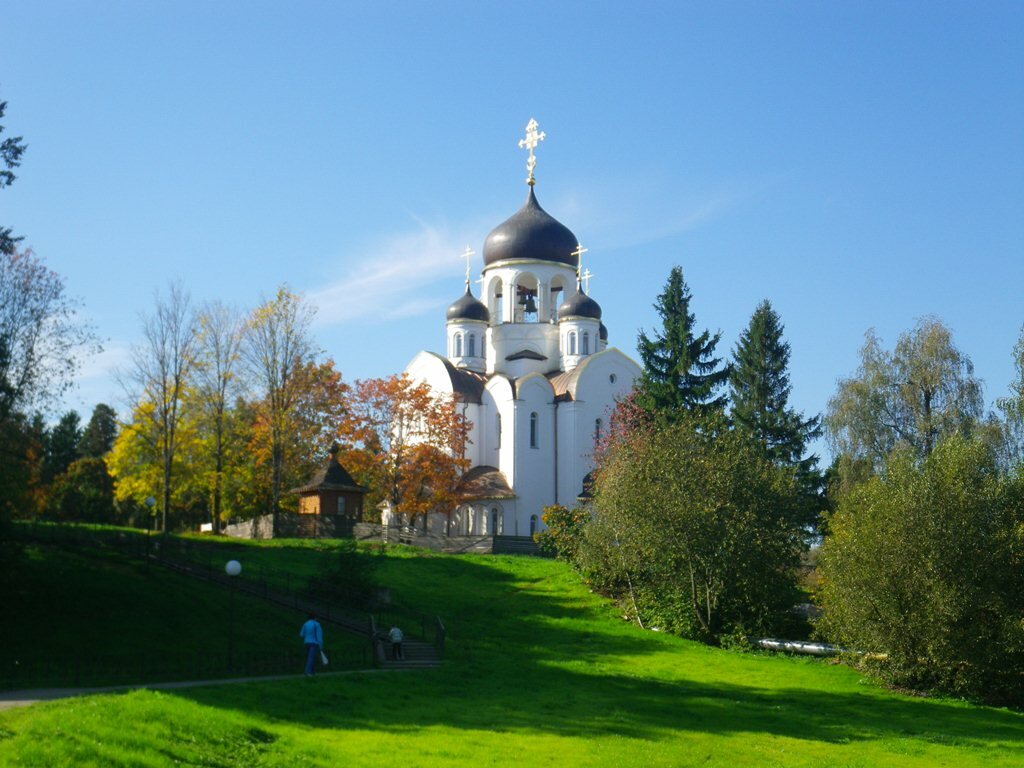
313	636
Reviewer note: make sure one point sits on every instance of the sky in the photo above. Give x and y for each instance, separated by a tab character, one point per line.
859	164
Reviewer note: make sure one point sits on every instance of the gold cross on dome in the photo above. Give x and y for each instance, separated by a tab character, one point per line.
533	138
467	255
587	274
578	253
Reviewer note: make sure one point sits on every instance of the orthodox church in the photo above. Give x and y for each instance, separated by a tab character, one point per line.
530	364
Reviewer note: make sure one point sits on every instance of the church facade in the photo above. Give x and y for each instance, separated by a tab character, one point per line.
530	365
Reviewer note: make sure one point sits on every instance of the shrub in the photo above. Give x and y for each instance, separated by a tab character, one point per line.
697	528
564	528
925	565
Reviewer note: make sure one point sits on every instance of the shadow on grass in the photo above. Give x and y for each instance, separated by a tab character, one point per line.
526	657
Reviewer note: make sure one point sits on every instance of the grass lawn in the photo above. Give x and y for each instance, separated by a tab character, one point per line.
538	672
100	618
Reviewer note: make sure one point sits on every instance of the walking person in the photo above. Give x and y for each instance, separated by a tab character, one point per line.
312	635
396	643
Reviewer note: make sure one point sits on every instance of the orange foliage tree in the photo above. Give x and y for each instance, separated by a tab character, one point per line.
406	443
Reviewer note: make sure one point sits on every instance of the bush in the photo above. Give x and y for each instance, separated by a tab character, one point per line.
697	528
925	565
564	528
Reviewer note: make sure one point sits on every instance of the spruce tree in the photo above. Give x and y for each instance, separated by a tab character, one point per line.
759	383
681	372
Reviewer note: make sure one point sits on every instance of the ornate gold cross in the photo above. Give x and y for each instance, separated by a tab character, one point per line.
533	138
467	255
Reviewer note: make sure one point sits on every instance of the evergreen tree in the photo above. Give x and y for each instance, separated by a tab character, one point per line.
759	382
98	437
62	445
681	373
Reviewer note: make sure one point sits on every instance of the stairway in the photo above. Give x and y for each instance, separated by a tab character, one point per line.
418	655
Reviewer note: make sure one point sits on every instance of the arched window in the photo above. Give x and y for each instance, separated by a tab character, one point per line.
533	429
572	342
472	345
533	524
458	345
497	431
495	522
597	431
585	346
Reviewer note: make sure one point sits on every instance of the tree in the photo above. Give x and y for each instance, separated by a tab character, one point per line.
925	564
925	389
41	337
406	444
160	368
62	445
1012	407
701	529
98	437
277	346
759	383
11	150
563	530
681	372
84	492
221	332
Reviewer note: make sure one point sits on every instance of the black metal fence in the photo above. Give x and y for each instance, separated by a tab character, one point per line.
206	560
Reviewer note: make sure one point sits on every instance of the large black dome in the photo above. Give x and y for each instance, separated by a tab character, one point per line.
531	233
468	307
579	305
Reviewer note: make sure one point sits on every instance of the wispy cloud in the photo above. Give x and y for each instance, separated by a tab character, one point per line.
394	274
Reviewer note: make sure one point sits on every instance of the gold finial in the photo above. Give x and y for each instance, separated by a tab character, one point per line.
467	255
587	274
533	138
578	253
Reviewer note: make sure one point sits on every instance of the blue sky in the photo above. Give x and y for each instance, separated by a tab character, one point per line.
859	164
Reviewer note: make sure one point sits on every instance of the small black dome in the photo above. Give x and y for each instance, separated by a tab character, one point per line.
468	307
602	332
531	233
579	305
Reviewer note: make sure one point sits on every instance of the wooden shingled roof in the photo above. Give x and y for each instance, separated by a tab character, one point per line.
331	477
484	482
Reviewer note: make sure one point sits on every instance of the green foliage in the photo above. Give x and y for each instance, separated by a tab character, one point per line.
1012	406
925	564
564	529
62	445
698	527
759	383
85	492
681	373
922	391
98	438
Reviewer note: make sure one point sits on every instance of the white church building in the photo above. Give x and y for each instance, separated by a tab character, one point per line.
530	365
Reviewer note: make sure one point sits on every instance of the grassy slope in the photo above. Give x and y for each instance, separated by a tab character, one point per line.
540	672
117	620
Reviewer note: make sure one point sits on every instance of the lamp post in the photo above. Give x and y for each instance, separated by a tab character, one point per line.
232	569
150	503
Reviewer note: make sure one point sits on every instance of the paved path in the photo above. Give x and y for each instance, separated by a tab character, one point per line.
12	699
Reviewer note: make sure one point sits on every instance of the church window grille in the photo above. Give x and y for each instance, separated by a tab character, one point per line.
458	345
472	345
533	429
597	431
496	522
572	342
585	345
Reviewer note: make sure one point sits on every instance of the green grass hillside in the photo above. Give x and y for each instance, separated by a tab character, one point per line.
538	672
